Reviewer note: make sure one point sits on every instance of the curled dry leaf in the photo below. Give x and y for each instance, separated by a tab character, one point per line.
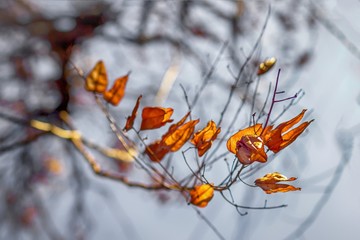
265	66
248	144
180	136
203	139
117	92
97	80
250	148
155	117
175	126
280	137
269	183
177	135
232	141
130	120
201	195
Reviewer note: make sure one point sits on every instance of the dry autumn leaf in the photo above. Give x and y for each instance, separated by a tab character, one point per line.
97	80
177	135
157	151
232	141
201	195
203	139
155	117
265	66
250	148
117	92
177	138
280	137
175	126
269	183
130	120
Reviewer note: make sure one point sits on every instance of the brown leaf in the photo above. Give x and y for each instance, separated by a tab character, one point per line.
279	138
130	120
201	195
117	92
203	139
155	117
97	80
269	183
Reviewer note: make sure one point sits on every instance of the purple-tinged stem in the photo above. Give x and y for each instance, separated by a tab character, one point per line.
281	100
272	101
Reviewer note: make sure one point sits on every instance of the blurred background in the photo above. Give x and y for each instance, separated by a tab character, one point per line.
188	55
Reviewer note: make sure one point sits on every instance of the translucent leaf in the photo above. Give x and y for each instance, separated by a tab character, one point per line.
203	139
269	183
250	148
157	151
279	138
177	135
130	120
155	117
97	80
201	195
232	141
177	138
117	92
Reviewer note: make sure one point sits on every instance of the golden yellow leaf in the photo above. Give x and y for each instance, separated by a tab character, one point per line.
201	195
203	139
269	183
130	120
177	138
117	92
155	117
97	80
265	66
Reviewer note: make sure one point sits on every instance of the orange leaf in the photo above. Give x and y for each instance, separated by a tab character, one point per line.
177	138
175	126
117	92
203	139
97	80
157	151
201	195
268	183
232	141
265	66
130	120
155	117
177	135
250	148
280	137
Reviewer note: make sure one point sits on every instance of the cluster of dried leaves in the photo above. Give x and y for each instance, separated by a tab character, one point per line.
249	145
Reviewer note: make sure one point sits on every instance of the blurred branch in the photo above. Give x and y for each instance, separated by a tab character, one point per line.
334	30
345	141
